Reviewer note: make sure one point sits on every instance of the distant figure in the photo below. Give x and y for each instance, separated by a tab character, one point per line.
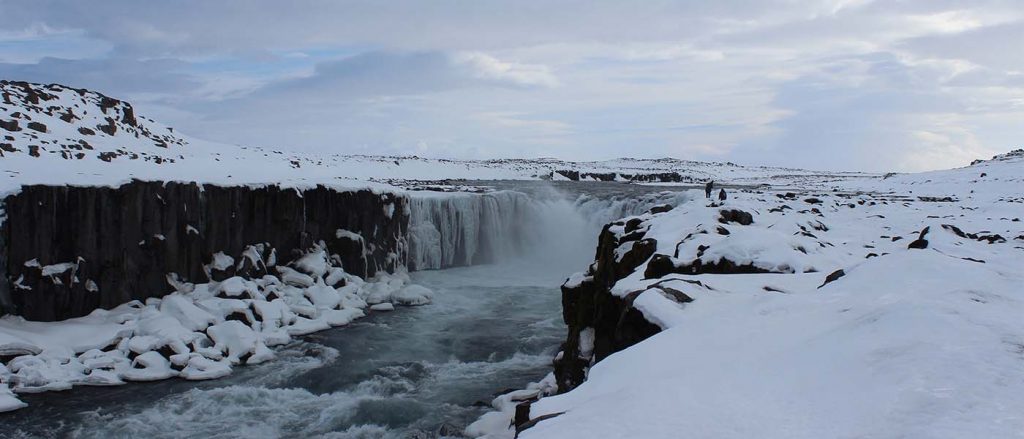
721	195
708	187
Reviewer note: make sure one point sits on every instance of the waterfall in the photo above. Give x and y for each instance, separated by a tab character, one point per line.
458	229
461	229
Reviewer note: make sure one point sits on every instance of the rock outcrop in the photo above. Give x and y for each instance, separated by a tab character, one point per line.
69	250
600	323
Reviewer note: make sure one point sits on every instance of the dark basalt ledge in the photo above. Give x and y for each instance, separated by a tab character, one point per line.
124	242
590	304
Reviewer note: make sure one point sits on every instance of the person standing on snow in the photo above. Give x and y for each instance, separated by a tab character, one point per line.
708	187
721	195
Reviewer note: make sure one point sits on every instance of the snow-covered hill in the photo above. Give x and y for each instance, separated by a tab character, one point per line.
884	308
52	134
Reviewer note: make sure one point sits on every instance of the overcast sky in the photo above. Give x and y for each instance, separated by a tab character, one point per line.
826	84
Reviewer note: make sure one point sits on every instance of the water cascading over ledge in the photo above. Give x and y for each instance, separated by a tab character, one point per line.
461	229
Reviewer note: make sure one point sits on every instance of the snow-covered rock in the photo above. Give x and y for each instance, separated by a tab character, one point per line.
412	295
198	334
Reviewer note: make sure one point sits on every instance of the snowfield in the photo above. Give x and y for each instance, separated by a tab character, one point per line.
919	335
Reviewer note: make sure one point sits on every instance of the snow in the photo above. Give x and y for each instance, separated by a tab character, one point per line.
908	343
198	334
182	309
150	366
294	278
201	368
55	269
587	342
383	307
313	263
412	295
495	424
347	234
8	401
234	338
849	360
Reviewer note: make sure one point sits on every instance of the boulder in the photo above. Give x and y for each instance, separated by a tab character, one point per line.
920	242
36	126
726	216
832	277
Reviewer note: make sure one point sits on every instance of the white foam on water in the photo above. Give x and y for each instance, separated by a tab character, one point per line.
233	411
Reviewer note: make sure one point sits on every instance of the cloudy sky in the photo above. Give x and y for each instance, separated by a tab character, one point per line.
827	84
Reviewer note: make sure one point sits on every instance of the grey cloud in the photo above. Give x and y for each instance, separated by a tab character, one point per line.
191	27
995	46
870	125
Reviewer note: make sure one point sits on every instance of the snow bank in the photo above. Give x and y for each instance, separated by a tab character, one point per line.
198	333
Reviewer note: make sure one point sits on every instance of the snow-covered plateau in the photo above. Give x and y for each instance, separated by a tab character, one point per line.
881	308
806	304
85	138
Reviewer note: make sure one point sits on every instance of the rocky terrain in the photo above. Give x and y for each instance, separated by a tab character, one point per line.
58	121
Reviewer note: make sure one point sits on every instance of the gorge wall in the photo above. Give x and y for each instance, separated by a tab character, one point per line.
68	250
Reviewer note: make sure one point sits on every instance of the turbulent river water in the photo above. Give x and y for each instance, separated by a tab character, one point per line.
419	372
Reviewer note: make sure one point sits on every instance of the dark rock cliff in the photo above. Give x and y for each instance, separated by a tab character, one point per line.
69	250
589	305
